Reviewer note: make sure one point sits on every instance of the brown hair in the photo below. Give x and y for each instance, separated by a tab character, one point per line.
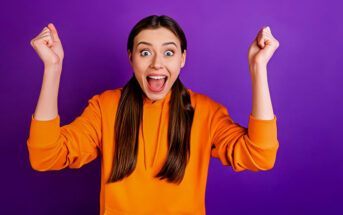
130	112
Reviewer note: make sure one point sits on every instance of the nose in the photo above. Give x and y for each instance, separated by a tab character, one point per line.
156	62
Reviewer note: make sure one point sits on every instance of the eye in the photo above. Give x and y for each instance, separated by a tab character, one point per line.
170	51
144	51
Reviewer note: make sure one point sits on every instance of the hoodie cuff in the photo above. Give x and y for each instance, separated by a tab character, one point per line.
262	131
44	132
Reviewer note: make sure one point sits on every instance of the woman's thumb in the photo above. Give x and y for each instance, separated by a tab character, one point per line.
53	32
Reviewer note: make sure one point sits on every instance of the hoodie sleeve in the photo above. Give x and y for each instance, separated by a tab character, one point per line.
52	147
253	148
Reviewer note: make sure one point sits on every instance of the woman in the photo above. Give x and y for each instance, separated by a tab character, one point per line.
154	135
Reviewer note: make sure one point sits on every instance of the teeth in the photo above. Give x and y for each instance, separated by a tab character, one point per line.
157	77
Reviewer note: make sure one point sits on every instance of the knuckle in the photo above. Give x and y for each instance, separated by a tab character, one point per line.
33	42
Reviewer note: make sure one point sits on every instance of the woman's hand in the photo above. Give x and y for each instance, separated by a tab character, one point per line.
262	48
48	46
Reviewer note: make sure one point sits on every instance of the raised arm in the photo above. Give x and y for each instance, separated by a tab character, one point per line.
49	48
253	148
50	146
260	52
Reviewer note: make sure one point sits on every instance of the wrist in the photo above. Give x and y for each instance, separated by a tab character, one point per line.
257	66
53	68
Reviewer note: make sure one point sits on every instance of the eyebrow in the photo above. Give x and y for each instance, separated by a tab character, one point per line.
164	44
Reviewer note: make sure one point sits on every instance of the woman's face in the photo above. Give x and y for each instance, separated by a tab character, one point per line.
156	60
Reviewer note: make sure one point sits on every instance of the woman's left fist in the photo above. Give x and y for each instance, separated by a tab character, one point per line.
262	48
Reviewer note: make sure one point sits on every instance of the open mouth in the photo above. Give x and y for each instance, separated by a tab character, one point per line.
156	83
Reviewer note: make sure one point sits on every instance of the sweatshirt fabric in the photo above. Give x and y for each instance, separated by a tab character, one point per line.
213	134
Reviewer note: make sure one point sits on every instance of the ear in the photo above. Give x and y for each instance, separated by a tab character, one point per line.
130	56
183	61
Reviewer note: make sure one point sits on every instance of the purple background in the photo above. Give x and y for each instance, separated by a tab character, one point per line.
305	76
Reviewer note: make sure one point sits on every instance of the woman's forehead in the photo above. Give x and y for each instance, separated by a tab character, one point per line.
156	37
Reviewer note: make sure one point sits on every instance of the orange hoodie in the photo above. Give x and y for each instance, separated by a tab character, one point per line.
213	134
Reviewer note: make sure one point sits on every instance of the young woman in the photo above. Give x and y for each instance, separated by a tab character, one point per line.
154	135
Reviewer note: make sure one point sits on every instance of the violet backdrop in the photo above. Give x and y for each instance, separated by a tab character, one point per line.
304	76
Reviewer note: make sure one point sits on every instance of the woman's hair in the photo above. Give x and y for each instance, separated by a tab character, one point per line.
130	112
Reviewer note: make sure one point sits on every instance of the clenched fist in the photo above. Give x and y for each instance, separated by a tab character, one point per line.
262	48
48	46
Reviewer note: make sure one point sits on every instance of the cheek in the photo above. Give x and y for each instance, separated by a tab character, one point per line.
139	67
140	80
141	64
174	67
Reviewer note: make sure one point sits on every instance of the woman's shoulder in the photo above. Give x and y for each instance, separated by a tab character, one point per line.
108	97
111	93
197	95
202	100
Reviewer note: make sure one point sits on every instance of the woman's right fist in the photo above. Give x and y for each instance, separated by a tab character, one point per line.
48	46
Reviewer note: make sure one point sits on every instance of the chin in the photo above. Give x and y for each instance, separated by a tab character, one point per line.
156	96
